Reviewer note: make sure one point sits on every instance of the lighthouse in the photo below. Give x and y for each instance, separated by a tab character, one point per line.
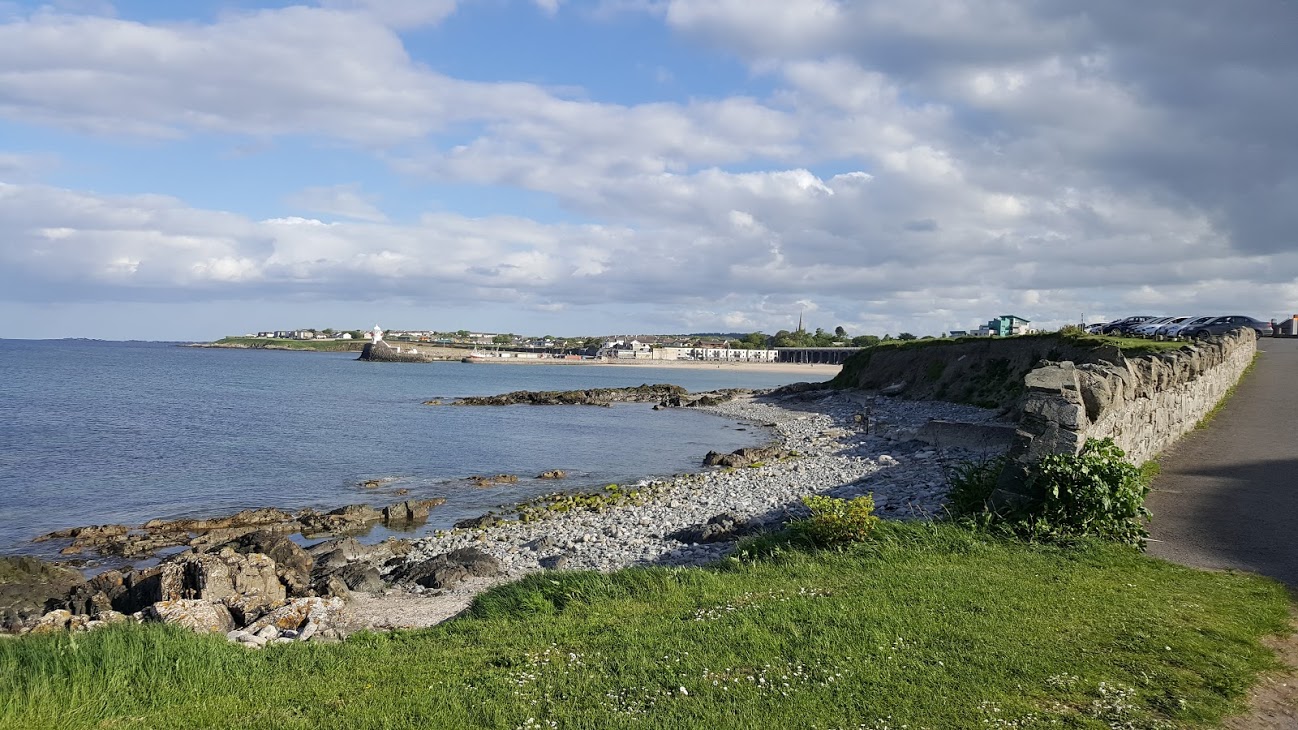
376	335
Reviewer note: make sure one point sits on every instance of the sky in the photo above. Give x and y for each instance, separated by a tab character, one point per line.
186	170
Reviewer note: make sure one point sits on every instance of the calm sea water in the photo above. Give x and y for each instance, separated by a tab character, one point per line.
115	432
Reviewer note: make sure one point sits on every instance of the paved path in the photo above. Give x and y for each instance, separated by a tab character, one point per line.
1228	495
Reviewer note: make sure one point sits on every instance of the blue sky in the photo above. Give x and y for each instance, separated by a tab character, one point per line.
188	170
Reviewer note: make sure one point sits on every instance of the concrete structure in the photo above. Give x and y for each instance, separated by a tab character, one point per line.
815	355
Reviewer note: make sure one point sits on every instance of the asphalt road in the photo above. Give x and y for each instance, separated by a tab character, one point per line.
1227	496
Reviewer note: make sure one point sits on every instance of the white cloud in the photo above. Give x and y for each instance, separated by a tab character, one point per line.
342	200
399	13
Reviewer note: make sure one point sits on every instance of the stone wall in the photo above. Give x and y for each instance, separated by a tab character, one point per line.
1144	404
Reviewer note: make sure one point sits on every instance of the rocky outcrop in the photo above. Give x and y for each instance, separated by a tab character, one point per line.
746	457
209	534
593	397
29	588
553	474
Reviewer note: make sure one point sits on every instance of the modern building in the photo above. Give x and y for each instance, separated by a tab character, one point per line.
1006	325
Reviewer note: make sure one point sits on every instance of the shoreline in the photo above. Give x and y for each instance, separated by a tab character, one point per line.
838	457
443	354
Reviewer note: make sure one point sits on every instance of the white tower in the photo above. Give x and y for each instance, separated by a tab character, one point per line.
376	335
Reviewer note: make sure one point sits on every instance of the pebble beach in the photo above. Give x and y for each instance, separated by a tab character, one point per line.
848	444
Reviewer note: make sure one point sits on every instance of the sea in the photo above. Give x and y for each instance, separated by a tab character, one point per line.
95	432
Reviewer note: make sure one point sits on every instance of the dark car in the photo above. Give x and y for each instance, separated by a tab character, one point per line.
1222	325
1123	326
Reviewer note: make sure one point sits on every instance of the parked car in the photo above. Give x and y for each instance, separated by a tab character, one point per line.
1146	328
1098	327
1172	330
1222	325
1123	326
1157	332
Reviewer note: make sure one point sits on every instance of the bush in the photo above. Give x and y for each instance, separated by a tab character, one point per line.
837	521
1095	493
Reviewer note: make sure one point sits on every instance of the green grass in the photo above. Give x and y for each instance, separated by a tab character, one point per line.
1225	398
924	626
315	345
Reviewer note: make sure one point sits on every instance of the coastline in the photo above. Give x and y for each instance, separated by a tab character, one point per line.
839	456
828	371
444	354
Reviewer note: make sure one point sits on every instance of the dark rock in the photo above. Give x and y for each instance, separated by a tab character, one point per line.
450	569
332	586
591	397
746	456
352	518
412	510
143	588
293	565
543	542
556	562
361	577
476	523
725	526
29	588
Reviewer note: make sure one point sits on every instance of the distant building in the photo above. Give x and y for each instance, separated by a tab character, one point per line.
345	336
1006	325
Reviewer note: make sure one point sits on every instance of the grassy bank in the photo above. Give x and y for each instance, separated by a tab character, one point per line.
925	626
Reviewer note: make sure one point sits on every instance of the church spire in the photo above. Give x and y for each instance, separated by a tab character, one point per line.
800	320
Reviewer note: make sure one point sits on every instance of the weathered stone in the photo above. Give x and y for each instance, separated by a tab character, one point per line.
297	612
412	510
196	615
29	588
552	474
722	527
332	586
143	588
293	565
361	577
53	622
476	523
450	569
746	456
214	577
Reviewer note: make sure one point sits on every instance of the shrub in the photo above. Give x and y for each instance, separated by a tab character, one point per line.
1096	492
837	521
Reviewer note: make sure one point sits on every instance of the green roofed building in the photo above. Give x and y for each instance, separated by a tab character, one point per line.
1008	325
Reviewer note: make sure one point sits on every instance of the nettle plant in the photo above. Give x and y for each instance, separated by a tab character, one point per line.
1096	492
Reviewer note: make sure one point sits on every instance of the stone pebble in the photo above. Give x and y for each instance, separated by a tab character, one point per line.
850	444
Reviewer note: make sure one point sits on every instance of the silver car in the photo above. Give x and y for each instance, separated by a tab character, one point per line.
1168	329
1146	328
1176	332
